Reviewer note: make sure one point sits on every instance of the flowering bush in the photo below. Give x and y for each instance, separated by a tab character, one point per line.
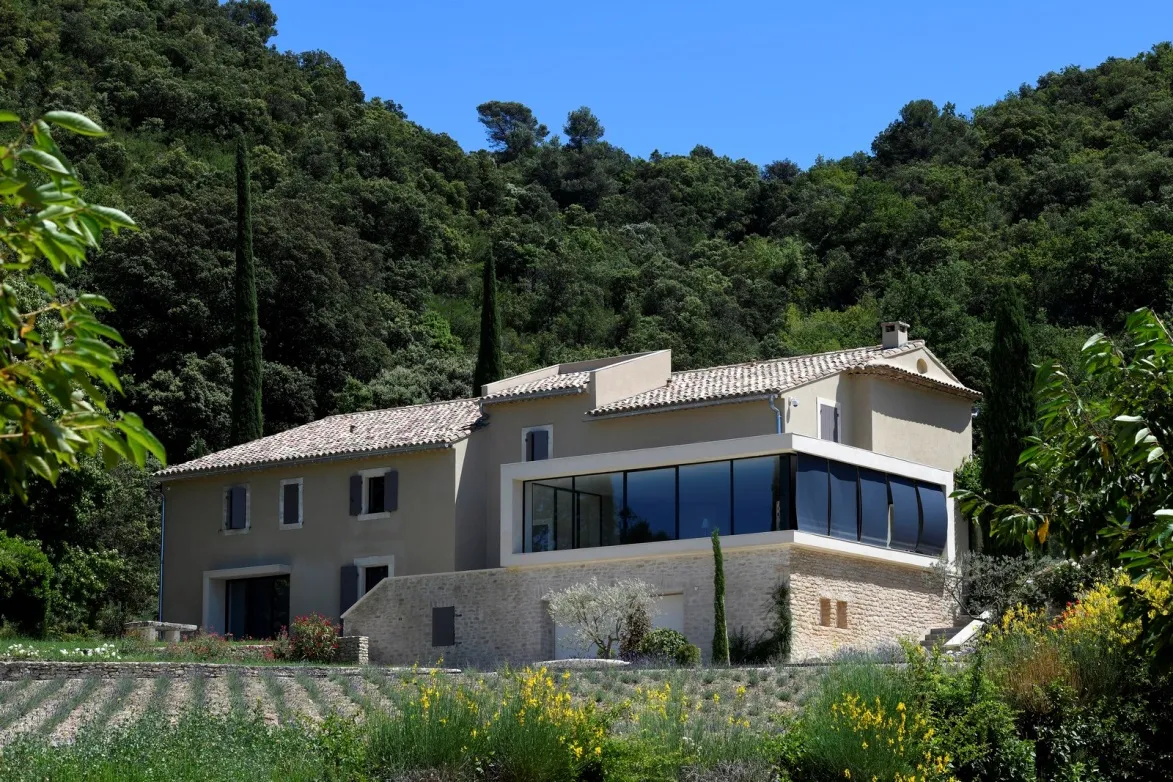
313	638
599	612
204	647
22	652
107	651
525	727
875	742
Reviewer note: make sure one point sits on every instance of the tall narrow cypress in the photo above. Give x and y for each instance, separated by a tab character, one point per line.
246	358
489	360
1008	411
720	630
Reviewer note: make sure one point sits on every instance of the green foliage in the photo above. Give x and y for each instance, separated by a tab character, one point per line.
720	630
57	365
635	628
688	656
313	638
663	645
982	582
490	365
25	575
772	645
1096	477
1008	408
246	356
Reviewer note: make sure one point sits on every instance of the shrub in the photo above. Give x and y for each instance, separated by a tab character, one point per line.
203	647
598	612
688	655
25	577
280	649
773	645
313	638
637	625
662	645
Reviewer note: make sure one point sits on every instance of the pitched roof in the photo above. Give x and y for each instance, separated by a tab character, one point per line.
565	383
758	378
419	426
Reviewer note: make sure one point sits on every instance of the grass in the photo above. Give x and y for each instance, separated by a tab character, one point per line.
277	694
236	701
66	706
29	701
112	704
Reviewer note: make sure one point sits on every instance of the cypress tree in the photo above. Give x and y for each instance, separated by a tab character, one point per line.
720	631
489	360
246	358
1008	412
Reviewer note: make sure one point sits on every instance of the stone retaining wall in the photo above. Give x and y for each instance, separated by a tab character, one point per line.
501	616
353	649
29	669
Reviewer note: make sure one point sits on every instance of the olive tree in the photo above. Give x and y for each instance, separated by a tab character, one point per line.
598	613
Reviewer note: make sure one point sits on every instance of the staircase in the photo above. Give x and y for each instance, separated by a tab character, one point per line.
942	635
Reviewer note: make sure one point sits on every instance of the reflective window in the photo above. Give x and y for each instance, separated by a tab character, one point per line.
650	513
844	507
704	499
905	513
549	514
873	507
599	502
811	494
754	483
935	519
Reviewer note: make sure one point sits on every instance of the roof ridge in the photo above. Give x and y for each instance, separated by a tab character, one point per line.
880	348
389	409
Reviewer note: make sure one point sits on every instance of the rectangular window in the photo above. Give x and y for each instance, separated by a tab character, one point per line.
536	443
550	514
375	489
841	614
934	529
844	502
812	494
290	503
755	483
705	492
905	513
599	501
257	607
374	493
372	575
825	611
236	508
873	507
444	626
650	510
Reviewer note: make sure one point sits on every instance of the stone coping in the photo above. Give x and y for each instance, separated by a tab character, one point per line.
51	669
161	626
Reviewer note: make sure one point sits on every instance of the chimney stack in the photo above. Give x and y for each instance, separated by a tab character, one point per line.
894	334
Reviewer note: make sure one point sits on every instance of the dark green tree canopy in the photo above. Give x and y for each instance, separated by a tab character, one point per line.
582	127
512	128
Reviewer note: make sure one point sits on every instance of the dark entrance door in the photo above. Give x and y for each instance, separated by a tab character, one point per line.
257	607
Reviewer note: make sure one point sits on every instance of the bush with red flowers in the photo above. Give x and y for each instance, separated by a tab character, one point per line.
313	638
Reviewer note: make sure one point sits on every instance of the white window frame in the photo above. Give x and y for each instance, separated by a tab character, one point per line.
374	472
548	429
819	403
362	563
300	504
248	510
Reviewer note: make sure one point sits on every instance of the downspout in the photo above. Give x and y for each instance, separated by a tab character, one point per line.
777	414
162	535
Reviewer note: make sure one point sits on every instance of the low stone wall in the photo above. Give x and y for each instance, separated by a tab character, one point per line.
353	649
501	616
28	669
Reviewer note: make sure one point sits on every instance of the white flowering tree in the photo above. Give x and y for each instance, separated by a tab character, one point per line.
598	612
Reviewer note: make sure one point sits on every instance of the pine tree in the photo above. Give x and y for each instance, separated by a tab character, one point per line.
720	631
489	360
246	359
1008	410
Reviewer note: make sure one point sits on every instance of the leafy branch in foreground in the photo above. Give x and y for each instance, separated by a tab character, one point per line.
1096	477
57	360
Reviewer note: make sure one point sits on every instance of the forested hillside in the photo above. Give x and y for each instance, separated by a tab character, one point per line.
369	231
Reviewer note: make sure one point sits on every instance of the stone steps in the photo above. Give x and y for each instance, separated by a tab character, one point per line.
940	635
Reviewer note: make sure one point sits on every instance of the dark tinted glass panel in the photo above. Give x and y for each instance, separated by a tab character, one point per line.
375	494
704	499
564	519
257	607
844	508
598	500
754	482
650	514
905	513
873	507
372	576
811	504
935	519
548	513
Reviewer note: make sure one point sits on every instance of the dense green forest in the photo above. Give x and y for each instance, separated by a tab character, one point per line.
370	233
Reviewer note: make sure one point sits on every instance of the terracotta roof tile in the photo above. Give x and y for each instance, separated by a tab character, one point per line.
568	383
436	424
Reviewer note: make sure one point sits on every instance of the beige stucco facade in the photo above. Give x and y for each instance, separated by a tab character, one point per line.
443	544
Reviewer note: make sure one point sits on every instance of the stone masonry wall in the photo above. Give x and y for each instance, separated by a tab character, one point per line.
501	615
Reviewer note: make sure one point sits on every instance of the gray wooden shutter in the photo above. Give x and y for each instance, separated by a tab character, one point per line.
347	588
828	423
444	626
391	490
537	445
239	507
355	495
292	500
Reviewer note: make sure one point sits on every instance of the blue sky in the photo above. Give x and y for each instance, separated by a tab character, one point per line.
760	80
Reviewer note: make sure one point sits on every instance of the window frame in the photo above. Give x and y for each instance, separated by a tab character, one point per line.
362	563
373	472
226	502
549	430
300	503
819	403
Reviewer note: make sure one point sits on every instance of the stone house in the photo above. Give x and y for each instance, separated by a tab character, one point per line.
436	529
